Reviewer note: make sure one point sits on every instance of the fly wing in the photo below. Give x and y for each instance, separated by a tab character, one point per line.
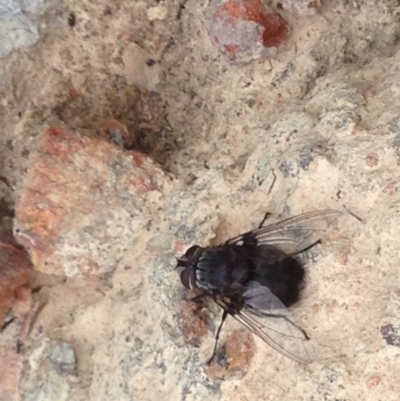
292	235
267	317
280	335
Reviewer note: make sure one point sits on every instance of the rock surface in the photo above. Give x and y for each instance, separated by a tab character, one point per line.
79	191
245	30
15	269
315	126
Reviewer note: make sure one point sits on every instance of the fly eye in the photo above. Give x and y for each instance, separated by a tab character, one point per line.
188	278
191	251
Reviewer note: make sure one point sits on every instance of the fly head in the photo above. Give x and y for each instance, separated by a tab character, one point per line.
187	264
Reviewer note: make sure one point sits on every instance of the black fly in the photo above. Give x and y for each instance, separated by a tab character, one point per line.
255	276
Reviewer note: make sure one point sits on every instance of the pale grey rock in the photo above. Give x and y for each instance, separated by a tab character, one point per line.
62	356
18	24
16	31
38	7
48	374
54	389
9	7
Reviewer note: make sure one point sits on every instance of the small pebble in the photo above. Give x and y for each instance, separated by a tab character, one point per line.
159	12
137	70
245	30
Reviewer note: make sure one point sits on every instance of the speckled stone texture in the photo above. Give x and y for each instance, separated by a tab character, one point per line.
81	190
245	30
315	126
15	269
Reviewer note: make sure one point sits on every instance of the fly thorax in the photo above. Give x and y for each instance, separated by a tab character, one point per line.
212	271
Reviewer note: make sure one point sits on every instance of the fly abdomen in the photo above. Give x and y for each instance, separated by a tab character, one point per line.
284	278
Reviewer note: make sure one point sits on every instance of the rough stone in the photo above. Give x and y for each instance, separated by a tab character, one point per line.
158	12
299	8
324	108
38	7
390	334
23	302
10	373
17	28
15	269
244	30
83	203
16	31
232	362
62	356
192	321
139	68
49	371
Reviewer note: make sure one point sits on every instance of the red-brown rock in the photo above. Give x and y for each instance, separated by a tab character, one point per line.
244	30
10	373
23	302
233	361
83	203
15	268
192	322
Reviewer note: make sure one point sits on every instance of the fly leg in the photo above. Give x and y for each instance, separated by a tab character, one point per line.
269	191
224	315
199	298
266	216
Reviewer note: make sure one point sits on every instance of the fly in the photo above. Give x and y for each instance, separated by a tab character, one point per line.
256	276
